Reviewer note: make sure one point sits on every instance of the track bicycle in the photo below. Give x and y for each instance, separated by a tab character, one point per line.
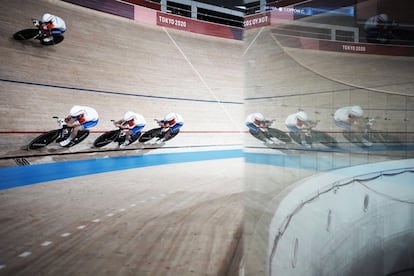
115	135
271	136
366	136
40	33
57	135
153	134
309	136
316	136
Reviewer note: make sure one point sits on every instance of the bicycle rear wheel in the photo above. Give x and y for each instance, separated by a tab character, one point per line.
44	139
26	34
148	135
106	138
56	40
375	137
79	138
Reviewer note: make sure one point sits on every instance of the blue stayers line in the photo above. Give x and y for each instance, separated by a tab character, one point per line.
11	177
117	93
304	162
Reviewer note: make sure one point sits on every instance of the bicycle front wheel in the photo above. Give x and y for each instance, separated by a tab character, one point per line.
106	138
43	140
324	138
26	34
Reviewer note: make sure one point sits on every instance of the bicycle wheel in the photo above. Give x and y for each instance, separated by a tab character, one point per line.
106	138
148	135
324	138
375	137
44	139
79	138
56	40
390	139
280	135
26	34
357	139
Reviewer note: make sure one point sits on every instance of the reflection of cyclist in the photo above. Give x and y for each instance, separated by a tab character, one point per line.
297	125
376	28
131	124
347	116
170	125
258	127
80	118
52	24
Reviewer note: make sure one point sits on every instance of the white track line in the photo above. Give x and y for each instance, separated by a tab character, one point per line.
80	227
253	41
46	243
201	79
331	78
25	254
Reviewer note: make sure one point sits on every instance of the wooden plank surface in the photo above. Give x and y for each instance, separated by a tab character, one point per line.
162	220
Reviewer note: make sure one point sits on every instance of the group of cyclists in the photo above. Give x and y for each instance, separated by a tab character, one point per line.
83	117
298	124
132	124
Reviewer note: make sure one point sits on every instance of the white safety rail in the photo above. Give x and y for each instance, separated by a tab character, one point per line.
332	29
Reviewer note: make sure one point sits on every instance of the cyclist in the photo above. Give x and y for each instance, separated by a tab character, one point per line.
297	124
348	116
258	127
376	26
51	24
80	118
170	124
132	123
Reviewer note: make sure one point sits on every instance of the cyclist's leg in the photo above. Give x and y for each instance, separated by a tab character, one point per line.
87	125
50	33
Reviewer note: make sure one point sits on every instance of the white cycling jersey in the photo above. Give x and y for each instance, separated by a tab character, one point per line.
90	114
342	114
56	23
292	123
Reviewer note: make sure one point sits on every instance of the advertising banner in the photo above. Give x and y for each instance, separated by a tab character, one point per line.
257	20
197	26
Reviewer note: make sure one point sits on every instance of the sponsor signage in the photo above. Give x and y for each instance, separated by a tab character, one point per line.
257	20
198	26
168	20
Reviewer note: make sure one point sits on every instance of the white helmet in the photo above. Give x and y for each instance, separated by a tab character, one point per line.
382	18
170	118
47	17
259	117
356	111
302	116
129	116
76	110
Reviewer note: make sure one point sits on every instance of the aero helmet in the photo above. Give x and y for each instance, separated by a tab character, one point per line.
302	116
382	18
170	118
259	117
129	116
47	17
356	111
76	110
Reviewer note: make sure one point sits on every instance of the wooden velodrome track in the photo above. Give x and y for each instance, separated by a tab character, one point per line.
162	220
